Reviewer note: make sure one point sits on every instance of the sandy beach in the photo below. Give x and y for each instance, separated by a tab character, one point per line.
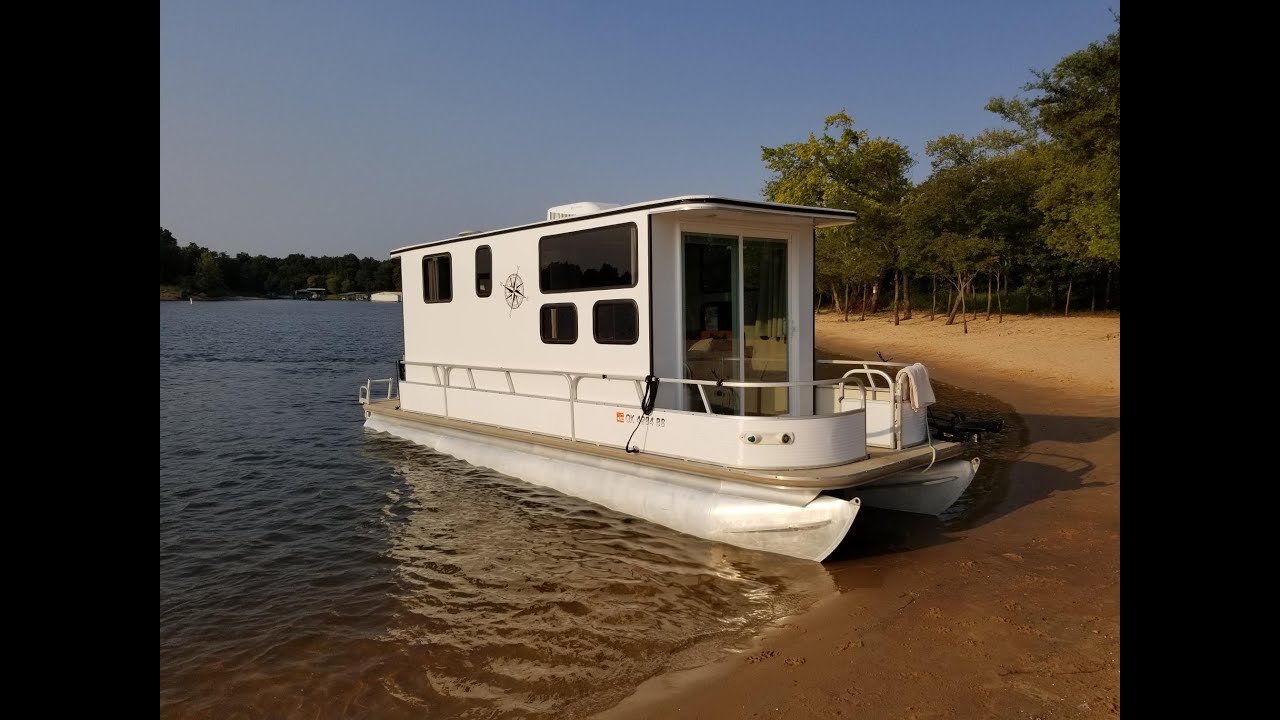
1016	616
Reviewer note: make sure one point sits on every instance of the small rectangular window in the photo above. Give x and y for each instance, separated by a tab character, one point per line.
616	322
484	271
559	323
437	278
588	259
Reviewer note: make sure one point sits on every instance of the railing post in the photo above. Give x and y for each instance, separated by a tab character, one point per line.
573	398
706	404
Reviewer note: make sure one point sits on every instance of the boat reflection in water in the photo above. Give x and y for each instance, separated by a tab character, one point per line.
517	598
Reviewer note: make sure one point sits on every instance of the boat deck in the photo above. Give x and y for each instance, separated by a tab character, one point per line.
879	464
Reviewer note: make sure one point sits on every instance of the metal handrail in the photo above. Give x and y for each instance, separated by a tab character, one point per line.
365	393
869	365
605	376
442	374
894	386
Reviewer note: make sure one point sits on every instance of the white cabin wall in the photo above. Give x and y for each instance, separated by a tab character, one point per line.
485	332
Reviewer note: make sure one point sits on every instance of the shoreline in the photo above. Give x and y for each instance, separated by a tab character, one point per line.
1018	614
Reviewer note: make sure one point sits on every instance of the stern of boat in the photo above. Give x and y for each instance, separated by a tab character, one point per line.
926	492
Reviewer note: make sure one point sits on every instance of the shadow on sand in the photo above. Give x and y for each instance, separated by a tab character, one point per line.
1012	476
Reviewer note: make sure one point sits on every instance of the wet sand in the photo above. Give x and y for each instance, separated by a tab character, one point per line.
1015	615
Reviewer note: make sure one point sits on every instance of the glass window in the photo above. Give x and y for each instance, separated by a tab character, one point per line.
484	271
616	322
437	278
559	323
588	259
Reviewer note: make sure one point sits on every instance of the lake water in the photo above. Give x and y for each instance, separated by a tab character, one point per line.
311	569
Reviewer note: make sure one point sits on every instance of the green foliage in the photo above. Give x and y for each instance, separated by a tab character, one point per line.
848	169
170	257
208	277
1078	108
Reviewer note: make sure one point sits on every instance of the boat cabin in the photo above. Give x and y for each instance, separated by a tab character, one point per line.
689	317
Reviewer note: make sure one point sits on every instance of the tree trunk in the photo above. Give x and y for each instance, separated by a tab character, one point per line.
1093	297
864	302
875	296
1053	296
1106	298
846	301
896	288
906	296
1000	294
963	314
954	305
835	298
933	309
1067	307
988	294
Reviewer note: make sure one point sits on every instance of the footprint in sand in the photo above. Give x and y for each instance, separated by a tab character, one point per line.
761	656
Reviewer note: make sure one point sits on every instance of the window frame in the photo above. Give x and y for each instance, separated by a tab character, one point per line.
542	324
635	258
477	269
425	260
595	324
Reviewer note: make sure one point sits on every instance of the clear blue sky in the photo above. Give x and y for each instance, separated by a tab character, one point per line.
327	127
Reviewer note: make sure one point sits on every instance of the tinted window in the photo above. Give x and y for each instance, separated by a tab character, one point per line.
616	322
484	271
559	323
588	259
437	278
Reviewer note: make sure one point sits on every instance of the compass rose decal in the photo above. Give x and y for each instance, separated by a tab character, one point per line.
514	288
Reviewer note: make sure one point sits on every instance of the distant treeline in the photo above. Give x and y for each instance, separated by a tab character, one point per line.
199	271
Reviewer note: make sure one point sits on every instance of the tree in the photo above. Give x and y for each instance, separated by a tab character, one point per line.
852	171
170	257
976	208
208	276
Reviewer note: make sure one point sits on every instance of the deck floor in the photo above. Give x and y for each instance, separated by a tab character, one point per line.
881	462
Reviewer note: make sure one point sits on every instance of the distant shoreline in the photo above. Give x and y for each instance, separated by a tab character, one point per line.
218	299
169	293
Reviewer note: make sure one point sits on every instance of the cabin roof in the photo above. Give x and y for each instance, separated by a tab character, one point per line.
821	217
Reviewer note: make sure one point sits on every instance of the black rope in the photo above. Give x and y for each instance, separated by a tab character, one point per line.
646	406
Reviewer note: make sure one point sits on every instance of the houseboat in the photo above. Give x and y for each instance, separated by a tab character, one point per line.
658	359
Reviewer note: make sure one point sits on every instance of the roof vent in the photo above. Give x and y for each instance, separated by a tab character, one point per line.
578	209
467	232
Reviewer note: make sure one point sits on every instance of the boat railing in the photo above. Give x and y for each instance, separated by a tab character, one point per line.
878	375
443	373
870	368
366	390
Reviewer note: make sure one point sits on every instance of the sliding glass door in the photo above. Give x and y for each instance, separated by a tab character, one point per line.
736	321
